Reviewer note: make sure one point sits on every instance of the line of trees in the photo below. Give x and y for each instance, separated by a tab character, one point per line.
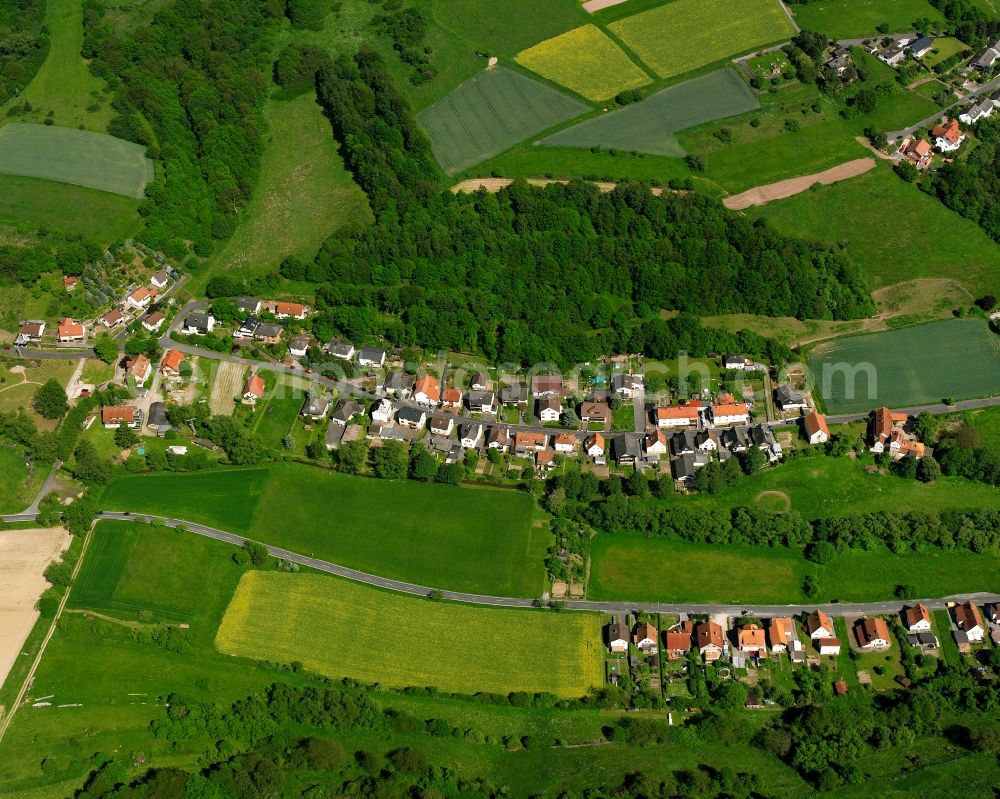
24	44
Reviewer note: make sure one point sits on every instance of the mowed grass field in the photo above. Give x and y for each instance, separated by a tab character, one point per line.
668	570
911	366
341	629
80	157
683	35
649	126
840	19
16	489
585	60
892	229
467	539
489	113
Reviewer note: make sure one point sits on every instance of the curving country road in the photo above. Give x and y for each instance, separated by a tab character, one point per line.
516	602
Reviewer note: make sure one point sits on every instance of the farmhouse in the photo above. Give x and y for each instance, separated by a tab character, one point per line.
888	435
948	137
730	413
345	411
197	323
816	431
70	330
371	356
482	401
253	389
112	318
678	641
616	636
644	637
153	321
872	633
139	368
529	442
709	639
341	350
397	384
595	412
790	399
498	438
818	625
114	416
917	619
549	409
171	364
594	446
413	418
316	408
969	620
679	416
751	639
426	391
546	386
442	425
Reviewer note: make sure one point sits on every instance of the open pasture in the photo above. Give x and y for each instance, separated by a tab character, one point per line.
649	126
841	19
341	629
684	35
911	366
586	61
79	157
490	112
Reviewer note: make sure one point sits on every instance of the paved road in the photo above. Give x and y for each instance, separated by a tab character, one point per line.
516	602
65	355
969	99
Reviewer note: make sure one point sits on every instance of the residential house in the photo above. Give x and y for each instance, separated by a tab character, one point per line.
917	618
627	449
253	389
268	333
828	646
893	56
426	391
969	620
112	318
482	401
114	416
288	310
594	446
545	459
925	640
655	444
730	413
413	418
383	412
682	443
529	442
790	399
677	642
160	279
299	346
921	47
70	330
198	323
139	368
706	441
740	363
549	409
250	305
451	400
397	384
546	386
371	356
819	625
515	395
595	412
498	438
248	329
30	331
962	641
140	298
564	443
345	411
644	637
616	636
442	425
840	61
872	633
171	363
341	350
709	639
985	60
625	385
948	137
678	416
762	437
471	435
889	435
157	419
752	639
153	322
977	111
780	631
917	151
814	425
480	381
316	407
735	439
684	468
70	283
386	432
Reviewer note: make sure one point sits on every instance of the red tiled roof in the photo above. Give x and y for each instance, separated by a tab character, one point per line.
255	386
814	422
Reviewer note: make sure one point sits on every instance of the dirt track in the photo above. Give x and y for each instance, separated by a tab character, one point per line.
597	5
24	554
493	185
759	195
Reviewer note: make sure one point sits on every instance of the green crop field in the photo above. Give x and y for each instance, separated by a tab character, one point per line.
910	366
341	629
80	157
225	498
667	570
840	19
586	61
684	35
491	112
469	539
649	126
925	239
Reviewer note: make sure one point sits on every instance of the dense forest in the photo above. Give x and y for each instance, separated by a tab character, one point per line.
24	43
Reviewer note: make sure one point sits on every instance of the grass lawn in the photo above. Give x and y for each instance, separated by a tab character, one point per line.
18	389
96	372
490	112
911	366
649	126
64	84
665	570
683	35
17	488
841	19
902	109
341	629
303	194
892	229
944	48
586	61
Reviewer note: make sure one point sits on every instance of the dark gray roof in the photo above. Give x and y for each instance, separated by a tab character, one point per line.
198	320
397	381
339	349
683	467
478	399
517	392
683	441
922	43
158	415
413	415
346	409
316	406
248	304
626	446
472	431
787	395
376	354
268	330
481	379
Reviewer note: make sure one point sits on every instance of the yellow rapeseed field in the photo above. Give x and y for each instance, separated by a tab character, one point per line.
341	629
586	61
